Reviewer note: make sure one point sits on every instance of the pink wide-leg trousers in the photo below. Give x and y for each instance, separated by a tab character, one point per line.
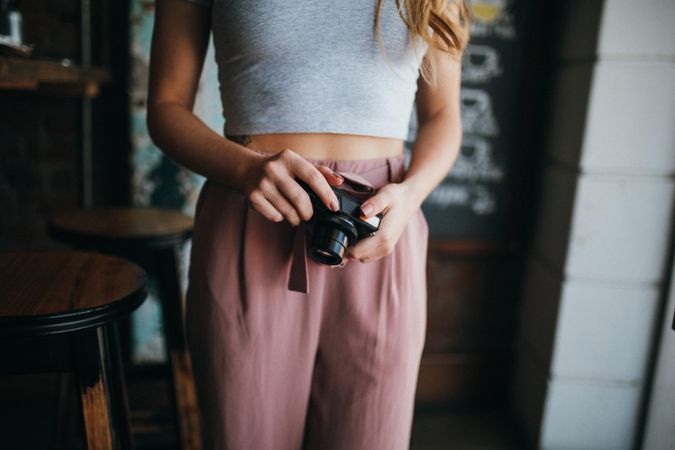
277	369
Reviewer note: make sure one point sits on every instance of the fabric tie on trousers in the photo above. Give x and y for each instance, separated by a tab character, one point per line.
298	278
355	185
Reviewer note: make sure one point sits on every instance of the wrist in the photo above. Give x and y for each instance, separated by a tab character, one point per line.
248	165
240	165
417	189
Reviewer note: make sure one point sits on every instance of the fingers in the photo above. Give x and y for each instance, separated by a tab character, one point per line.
276	194
304	170
391	227
372	248
264	207
298	198
291	213
376	204
334	179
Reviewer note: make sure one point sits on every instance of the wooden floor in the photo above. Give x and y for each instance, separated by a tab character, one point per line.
29	411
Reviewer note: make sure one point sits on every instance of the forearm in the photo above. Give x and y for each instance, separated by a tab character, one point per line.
188	141
434	152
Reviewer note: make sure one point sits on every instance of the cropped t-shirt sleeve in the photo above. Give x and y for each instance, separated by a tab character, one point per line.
205	3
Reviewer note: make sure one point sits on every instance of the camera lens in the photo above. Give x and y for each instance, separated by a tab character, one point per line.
330	238
324	253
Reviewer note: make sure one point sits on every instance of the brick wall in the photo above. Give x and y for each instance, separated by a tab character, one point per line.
597	265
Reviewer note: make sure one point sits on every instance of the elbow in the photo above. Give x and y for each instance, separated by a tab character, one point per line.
151	123
155	122
161	118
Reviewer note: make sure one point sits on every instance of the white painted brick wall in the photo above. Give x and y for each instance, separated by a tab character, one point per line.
637	28
603	331
620	228
591	298
630	124
589	415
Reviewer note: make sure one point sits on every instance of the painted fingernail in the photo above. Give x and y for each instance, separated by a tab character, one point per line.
337	175
367	209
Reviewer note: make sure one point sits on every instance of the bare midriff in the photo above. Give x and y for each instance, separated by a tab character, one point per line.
324	146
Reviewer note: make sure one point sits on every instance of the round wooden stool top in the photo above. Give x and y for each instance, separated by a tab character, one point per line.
47	292
123	225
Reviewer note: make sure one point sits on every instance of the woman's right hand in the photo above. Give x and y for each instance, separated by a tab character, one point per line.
271	189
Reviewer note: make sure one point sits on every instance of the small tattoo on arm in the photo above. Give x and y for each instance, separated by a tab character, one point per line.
243	139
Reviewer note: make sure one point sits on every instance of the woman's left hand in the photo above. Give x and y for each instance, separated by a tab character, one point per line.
397	204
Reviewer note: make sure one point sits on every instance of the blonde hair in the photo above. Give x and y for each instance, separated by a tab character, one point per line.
449	21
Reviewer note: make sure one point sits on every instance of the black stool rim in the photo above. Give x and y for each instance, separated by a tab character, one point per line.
39	325
84	239
91	240
70	321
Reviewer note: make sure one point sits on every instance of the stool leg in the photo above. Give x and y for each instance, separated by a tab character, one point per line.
64	408
118	387
90	368
185	398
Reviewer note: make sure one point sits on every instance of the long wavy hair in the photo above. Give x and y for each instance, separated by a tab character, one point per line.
443	24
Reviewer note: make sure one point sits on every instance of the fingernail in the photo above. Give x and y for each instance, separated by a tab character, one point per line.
367	209
337	175
335	206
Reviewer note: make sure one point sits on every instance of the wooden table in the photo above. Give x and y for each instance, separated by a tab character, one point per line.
58	312
122	228
151	237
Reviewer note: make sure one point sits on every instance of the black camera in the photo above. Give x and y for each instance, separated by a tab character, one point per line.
331	232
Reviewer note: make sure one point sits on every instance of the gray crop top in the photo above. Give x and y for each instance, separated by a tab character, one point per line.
314	66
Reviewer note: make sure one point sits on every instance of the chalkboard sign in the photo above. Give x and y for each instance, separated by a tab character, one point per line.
473	201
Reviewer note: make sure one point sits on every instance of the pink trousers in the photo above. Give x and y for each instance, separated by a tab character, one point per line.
277	369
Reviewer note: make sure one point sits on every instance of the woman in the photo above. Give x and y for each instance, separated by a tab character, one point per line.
288	352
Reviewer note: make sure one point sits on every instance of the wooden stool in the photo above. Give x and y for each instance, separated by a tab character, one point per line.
152	238
58	312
